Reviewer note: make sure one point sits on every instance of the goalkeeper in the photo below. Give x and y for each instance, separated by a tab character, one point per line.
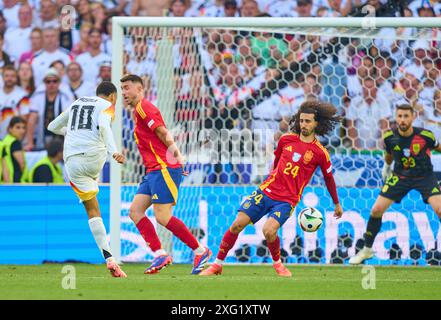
410	149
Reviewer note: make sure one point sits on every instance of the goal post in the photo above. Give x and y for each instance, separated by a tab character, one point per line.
161	50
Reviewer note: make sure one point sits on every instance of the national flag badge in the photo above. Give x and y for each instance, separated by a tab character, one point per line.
416	148
296	156
246	205
307	156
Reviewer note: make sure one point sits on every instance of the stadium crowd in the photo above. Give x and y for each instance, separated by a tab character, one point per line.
223	79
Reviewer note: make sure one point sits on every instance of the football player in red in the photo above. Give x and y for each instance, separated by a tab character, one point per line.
297	156
165	168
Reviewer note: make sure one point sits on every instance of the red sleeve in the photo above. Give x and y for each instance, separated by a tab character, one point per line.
152	115
326	168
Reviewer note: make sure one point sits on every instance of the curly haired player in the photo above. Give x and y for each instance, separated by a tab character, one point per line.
297	156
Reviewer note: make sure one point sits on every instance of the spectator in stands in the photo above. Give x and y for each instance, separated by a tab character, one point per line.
26	78
50	53
61	69
36	41
283	8
230	8
107	36
304	8
78	86
98	15
17	39
84	13
83	44
4	57
270	49
48	15
13	158
10	12
152	8
421	51
368	117
249	8
105	71
177	8
11	97
214	9
47	169
116	7
3	26
354	81
384	65
432	115
91	60
45	105
431	82
407	91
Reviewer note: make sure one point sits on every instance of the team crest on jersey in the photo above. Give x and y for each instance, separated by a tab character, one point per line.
246	205
308	157
296	156
416	148
406	152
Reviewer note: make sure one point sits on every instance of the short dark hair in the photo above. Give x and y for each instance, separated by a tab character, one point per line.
132	77
405	106
105	88
54	146
16	120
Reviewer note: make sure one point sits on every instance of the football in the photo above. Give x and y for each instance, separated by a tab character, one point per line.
310	219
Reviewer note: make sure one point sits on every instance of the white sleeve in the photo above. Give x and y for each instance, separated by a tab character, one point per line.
104	121
58	125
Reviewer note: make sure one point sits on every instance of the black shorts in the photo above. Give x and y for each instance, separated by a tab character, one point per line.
397	187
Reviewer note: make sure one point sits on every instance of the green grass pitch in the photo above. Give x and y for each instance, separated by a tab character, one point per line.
237	282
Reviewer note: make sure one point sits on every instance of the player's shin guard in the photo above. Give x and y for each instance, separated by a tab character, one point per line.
227	243
373	227
274	248
99	234
148	232
180	230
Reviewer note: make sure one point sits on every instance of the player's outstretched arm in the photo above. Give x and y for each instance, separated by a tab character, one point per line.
58	125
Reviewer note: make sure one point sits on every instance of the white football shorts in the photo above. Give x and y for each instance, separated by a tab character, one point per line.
83	171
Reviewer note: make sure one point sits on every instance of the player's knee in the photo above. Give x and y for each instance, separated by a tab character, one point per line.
270	233
377	211
236	227
135	215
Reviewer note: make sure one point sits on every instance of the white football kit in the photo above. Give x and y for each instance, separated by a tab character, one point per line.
88	138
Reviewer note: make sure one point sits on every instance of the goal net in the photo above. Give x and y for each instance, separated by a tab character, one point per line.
227	90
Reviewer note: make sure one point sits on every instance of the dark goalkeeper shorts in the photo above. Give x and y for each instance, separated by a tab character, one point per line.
397	187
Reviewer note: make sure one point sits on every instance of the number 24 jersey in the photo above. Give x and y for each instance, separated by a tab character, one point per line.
294	164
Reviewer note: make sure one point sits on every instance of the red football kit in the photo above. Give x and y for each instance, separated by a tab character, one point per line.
294	166
153	151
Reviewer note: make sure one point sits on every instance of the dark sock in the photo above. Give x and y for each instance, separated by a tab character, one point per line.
373	227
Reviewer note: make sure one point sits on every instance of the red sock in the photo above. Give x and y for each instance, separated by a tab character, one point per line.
180	230
148	232
274	248
227	243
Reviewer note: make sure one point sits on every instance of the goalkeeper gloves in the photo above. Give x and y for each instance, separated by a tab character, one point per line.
386	172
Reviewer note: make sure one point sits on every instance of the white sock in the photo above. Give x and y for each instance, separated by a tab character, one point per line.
199	250
218	261
99	233
160	252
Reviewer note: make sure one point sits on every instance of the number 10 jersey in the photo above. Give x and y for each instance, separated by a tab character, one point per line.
88	127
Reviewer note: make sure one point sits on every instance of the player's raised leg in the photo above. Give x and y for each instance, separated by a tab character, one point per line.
163	214
435	203
140	204
228	241
373	227
270	230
